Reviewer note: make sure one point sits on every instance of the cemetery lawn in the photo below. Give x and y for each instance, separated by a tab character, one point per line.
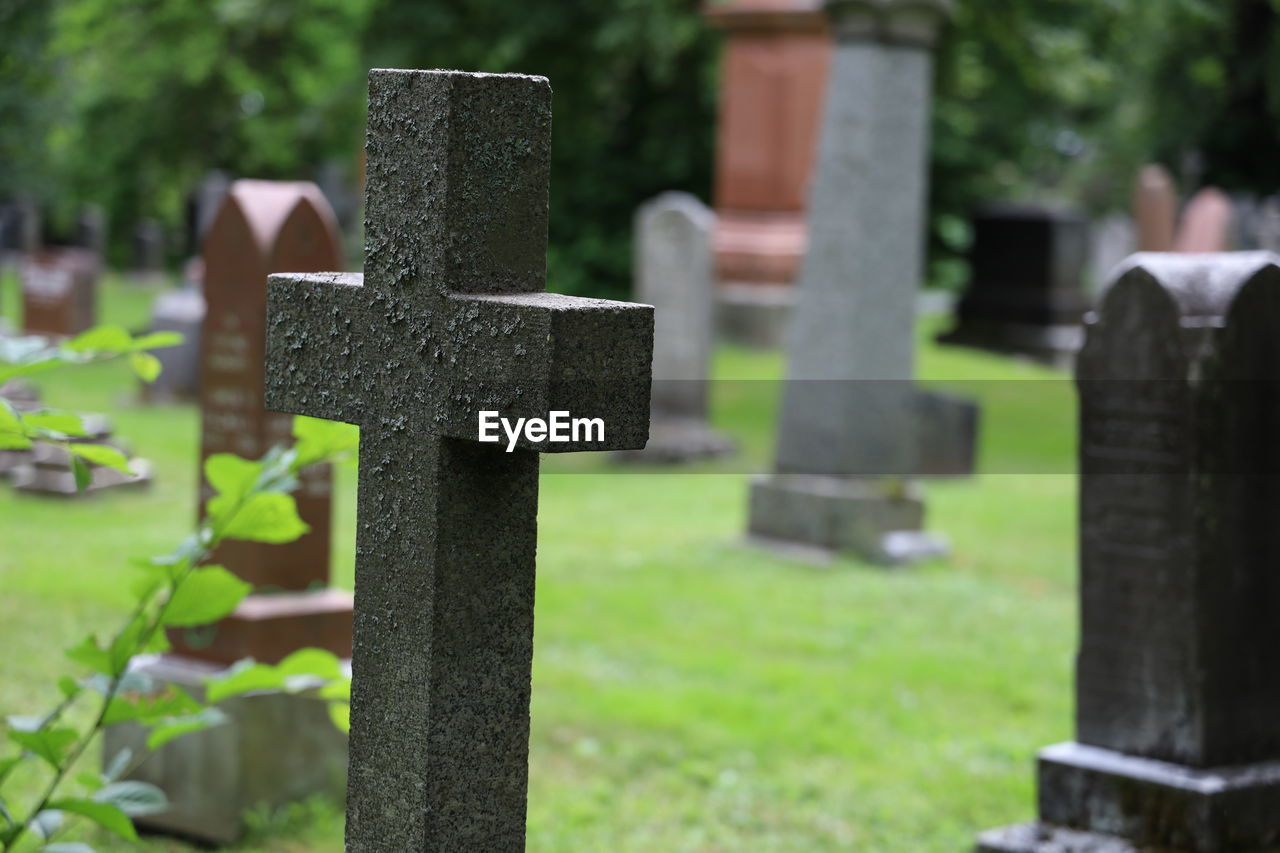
691	694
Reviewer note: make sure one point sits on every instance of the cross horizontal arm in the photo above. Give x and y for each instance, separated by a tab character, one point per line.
526	355
319	326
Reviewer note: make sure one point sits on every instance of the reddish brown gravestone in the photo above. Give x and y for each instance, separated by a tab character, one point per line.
1206	223
59	291
1155	209
264	227
774	75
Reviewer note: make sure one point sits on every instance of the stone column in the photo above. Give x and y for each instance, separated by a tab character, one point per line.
847	439
776	58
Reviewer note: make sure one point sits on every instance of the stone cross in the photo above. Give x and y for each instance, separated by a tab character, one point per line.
450	319
675	272
846	438
1177	745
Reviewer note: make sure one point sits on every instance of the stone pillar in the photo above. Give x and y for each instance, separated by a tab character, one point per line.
1177	745
847	445
774	73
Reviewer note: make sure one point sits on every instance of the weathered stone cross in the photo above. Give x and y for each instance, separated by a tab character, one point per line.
450	319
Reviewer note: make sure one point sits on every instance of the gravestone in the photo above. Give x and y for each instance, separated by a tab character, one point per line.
203	203
91	229
1206	223
276	749
1112	240
773	76
181	310
674	272
1177	742
450	319
847	445
1155	209
261	228
1026	295
59	291
148	249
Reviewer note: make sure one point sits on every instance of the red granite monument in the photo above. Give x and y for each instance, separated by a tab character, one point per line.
264	227
773	79
59	291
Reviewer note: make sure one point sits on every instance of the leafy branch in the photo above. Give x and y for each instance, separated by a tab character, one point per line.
251	502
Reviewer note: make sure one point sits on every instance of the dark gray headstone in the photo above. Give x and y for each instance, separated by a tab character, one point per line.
1026	292
148	247
180	311
91	229
846	438
1177	696
450	319
202	205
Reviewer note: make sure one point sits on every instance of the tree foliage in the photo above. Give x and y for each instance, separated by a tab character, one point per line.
127	102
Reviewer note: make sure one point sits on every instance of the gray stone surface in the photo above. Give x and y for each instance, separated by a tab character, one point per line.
91	228
449	318
755	315
675	273
1176	695
148	248
848	401
275	749
947	430
1112	239
179	311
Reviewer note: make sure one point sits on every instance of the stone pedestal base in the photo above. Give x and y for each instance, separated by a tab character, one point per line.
1093	795
754	315
275	749
1055	346
676	440
269	626
865	518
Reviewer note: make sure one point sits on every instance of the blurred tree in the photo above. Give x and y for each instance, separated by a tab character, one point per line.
634	105
163	90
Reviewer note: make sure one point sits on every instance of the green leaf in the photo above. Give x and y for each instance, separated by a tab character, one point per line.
157	340
244	677
105	815
316	439
162	734
7	764
102	454
70	689
82	473
231	476
206	595
64	423
145	365
340	713
49	744
89	654
316	663
151	708
90	781
134	798
118	764
101	339
13	441
271	517
67	847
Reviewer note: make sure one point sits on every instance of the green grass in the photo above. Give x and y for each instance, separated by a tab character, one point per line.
691	694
